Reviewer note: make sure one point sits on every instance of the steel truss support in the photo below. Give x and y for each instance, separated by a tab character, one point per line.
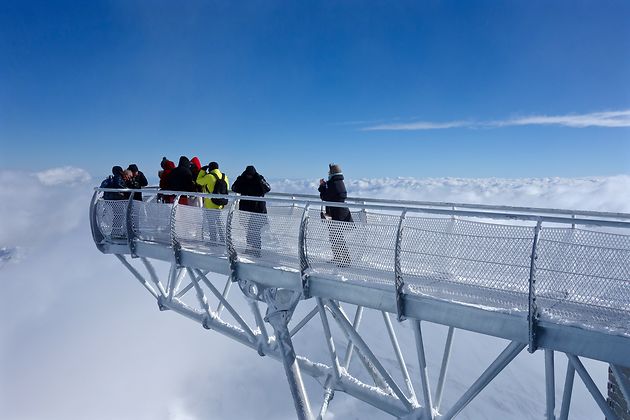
386	395
506	356
424	375
280	306
550	385
568	391
363	347
444	368
591	386
622	382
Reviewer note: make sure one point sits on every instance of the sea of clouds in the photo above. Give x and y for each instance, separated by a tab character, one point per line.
81	339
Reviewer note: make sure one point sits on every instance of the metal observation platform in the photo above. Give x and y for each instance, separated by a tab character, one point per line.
554	280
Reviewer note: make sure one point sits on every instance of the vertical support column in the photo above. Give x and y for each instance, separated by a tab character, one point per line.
424	374
303	251
443	369
550	384
281	304
174	242
568	391
532	316
399	281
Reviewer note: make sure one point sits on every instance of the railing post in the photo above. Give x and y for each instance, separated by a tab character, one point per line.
129	223
177	248
399	281
231	251
532	315
96	232
303	251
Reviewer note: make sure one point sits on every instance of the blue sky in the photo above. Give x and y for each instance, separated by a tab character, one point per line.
422	89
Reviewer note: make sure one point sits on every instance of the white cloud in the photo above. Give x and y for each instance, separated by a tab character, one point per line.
68	175
82	339
608	119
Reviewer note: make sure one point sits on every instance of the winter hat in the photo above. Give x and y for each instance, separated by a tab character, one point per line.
117	170
133	167
334	169
212	166
183	161
163	163
250	170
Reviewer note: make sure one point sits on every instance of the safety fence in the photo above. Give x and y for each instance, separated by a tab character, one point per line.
551	266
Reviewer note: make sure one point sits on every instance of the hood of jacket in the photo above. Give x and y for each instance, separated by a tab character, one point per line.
196	163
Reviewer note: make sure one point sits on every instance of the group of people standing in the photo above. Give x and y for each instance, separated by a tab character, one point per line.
190	176
131	178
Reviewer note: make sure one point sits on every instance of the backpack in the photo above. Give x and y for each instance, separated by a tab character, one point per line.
220	187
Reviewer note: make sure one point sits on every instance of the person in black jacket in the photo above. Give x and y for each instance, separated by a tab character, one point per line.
137	181
116	180
252	184
334	190
181	179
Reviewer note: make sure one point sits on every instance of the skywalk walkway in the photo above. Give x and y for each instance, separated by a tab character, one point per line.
557	280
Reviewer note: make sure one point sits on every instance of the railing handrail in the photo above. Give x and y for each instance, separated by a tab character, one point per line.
428	209
420	203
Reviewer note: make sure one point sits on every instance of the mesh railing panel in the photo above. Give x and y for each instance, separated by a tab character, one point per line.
111	216
151	221
583	277
358	250
466	261
272	237
201	229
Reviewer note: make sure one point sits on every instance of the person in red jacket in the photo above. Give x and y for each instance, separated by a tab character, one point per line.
167	168
195	167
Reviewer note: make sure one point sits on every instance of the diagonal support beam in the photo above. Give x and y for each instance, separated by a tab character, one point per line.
153	275
592	387
227	305
444	368
504	359
137	275
568	391
399	355
365	349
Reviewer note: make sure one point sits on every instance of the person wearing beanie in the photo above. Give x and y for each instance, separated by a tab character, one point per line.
334	190
137	181
206	179
252	184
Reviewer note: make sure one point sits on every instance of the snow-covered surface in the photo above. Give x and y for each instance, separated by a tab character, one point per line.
81	339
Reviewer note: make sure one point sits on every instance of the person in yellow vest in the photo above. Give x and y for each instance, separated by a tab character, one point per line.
212	181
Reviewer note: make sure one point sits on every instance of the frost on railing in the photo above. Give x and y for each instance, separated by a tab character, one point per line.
582	275
467	261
